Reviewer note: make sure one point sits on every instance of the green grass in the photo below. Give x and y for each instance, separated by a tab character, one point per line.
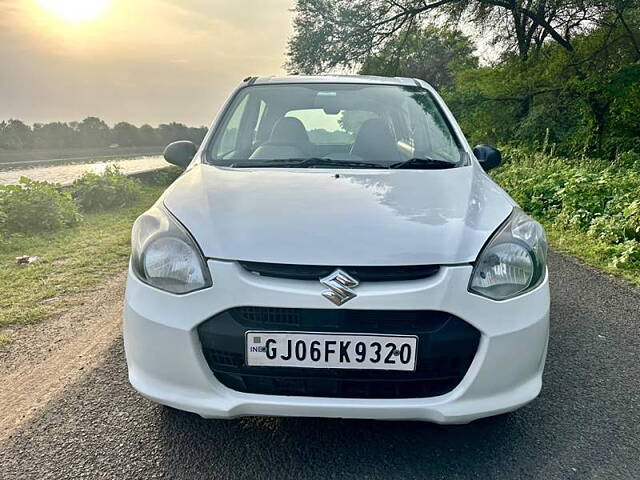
73	262
589	207
593	252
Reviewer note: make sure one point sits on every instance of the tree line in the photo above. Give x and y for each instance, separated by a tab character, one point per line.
565	74
92	132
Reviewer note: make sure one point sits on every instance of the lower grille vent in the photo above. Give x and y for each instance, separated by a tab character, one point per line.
446	348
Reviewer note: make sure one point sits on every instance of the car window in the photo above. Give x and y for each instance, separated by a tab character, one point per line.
377	124
338	128
229	137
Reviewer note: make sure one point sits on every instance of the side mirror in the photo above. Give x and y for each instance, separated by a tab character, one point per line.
180	153
488	156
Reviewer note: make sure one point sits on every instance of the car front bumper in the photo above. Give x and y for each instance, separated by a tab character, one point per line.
167	365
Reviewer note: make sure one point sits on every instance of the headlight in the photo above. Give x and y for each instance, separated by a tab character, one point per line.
164	255
514	260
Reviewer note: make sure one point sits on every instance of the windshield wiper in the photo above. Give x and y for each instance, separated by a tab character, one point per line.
307	163
424	163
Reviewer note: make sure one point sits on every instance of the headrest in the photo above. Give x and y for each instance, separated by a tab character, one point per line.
375	142
289	131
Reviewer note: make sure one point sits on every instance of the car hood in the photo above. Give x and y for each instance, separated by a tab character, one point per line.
339	218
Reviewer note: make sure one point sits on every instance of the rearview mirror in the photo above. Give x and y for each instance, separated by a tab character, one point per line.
488	156
180	153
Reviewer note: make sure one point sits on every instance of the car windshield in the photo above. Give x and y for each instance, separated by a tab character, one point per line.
334	125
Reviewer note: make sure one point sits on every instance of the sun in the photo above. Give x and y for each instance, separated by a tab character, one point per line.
76	11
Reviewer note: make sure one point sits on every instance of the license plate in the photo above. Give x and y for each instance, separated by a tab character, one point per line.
331	350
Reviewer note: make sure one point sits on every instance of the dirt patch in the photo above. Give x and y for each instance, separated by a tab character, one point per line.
42	359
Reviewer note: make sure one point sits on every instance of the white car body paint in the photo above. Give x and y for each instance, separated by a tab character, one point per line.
362	218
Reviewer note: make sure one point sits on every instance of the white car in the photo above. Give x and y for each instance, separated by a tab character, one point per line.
336	249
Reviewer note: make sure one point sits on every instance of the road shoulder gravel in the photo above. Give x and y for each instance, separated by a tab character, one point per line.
43	359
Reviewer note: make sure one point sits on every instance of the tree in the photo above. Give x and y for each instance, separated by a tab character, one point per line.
53	135
14	134
567	70
172	132
581	101
147	135
93	132
124	134
332	34
430	53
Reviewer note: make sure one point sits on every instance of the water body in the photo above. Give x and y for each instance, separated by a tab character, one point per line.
68	172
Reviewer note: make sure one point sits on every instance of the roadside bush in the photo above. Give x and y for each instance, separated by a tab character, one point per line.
110	189
533	180
619	227
584	197
34	207
164	176
628	159
628	256
599	198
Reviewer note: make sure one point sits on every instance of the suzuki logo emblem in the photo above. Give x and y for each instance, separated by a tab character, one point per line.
340	286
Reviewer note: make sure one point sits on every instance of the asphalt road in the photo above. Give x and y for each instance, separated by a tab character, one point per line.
585	424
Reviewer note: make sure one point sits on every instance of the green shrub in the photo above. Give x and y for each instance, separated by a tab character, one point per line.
620	227
533	181
33	207
110	189
164	176
627	256
597	197
584	197
628	159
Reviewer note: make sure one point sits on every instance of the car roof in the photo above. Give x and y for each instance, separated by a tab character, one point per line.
365	79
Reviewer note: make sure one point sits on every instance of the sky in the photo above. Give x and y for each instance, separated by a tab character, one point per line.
141	61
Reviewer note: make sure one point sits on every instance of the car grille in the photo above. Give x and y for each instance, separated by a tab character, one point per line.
362	274
446	348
